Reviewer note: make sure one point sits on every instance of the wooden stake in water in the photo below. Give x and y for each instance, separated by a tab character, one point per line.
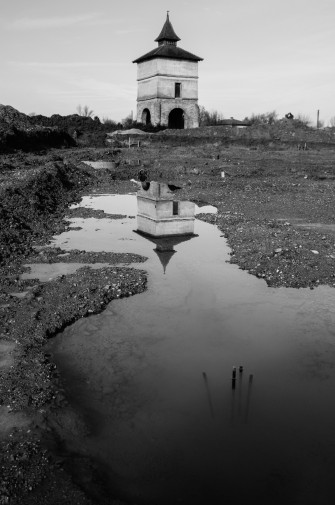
211	409
251	377
239	409
233	378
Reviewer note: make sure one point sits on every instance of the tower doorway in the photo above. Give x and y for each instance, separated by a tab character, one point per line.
146	116
176	119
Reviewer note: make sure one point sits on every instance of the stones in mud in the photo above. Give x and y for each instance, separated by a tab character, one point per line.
24	464
55	255
272	259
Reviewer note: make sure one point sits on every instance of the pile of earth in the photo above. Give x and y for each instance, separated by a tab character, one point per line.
281	132
28	202
17	131
86	131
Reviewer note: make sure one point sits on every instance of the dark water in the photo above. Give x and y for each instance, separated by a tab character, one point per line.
152	375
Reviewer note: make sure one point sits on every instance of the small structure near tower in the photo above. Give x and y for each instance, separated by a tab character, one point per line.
168	83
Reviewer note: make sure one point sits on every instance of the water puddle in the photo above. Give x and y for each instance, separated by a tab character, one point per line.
206	209
152	374
48	272
102	165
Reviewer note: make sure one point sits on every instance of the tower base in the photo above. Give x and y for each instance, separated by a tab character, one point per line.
172	113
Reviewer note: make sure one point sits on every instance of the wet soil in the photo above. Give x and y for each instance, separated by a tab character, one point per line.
275	206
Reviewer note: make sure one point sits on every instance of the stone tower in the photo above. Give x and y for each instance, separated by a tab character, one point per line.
167	78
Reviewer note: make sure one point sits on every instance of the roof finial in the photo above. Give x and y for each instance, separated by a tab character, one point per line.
168	12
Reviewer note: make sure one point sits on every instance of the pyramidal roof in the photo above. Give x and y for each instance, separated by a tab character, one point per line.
168	52
167	46
167	32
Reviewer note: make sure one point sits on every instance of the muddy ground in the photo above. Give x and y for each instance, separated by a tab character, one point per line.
276	207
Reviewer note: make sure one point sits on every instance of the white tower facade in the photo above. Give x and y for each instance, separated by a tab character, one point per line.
168	84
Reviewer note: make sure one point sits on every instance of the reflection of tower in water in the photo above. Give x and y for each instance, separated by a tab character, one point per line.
163	219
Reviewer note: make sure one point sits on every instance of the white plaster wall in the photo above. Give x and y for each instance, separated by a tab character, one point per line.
177	67
147	89
175	227
146	69
164	210
165	228
146	207
146	225
167	66
166	88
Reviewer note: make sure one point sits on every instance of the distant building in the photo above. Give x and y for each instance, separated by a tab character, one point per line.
168	83
160	214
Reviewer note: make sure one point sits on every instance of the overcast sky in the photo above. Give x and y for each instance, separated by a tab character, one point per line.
259	55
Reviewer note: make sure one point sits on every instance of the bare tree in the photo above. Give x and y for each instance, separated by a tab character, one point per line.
332	122
84	111
303	120
265	118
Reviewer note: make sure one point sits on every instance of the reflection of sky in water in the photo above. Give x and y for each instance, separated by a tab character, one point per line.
153	375
125	204
206	209
111	204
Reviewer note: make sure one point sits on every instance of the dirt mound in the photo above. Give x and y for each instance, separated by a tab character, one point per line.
70	123
26	205
86	131
12	117
18	132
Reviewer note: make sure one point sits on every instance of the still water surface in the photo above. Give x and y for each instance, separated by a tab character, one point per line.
152	376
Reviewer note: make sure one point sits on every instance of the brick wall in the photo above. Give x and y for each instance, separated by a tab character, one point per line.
161	108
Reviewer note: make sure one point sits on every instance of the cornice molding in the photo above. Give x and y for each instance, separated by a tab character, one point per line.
170	76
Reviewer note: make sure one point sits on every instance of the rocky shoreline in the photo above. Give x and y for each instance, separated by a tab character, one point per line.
33	408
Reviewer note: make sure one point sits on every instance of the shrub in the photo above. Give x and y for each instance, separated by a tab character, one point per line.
302	120
110	122
209	118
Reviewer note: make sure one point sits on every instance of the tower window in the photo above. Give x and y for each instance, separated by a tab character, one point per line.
177	89
175	208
